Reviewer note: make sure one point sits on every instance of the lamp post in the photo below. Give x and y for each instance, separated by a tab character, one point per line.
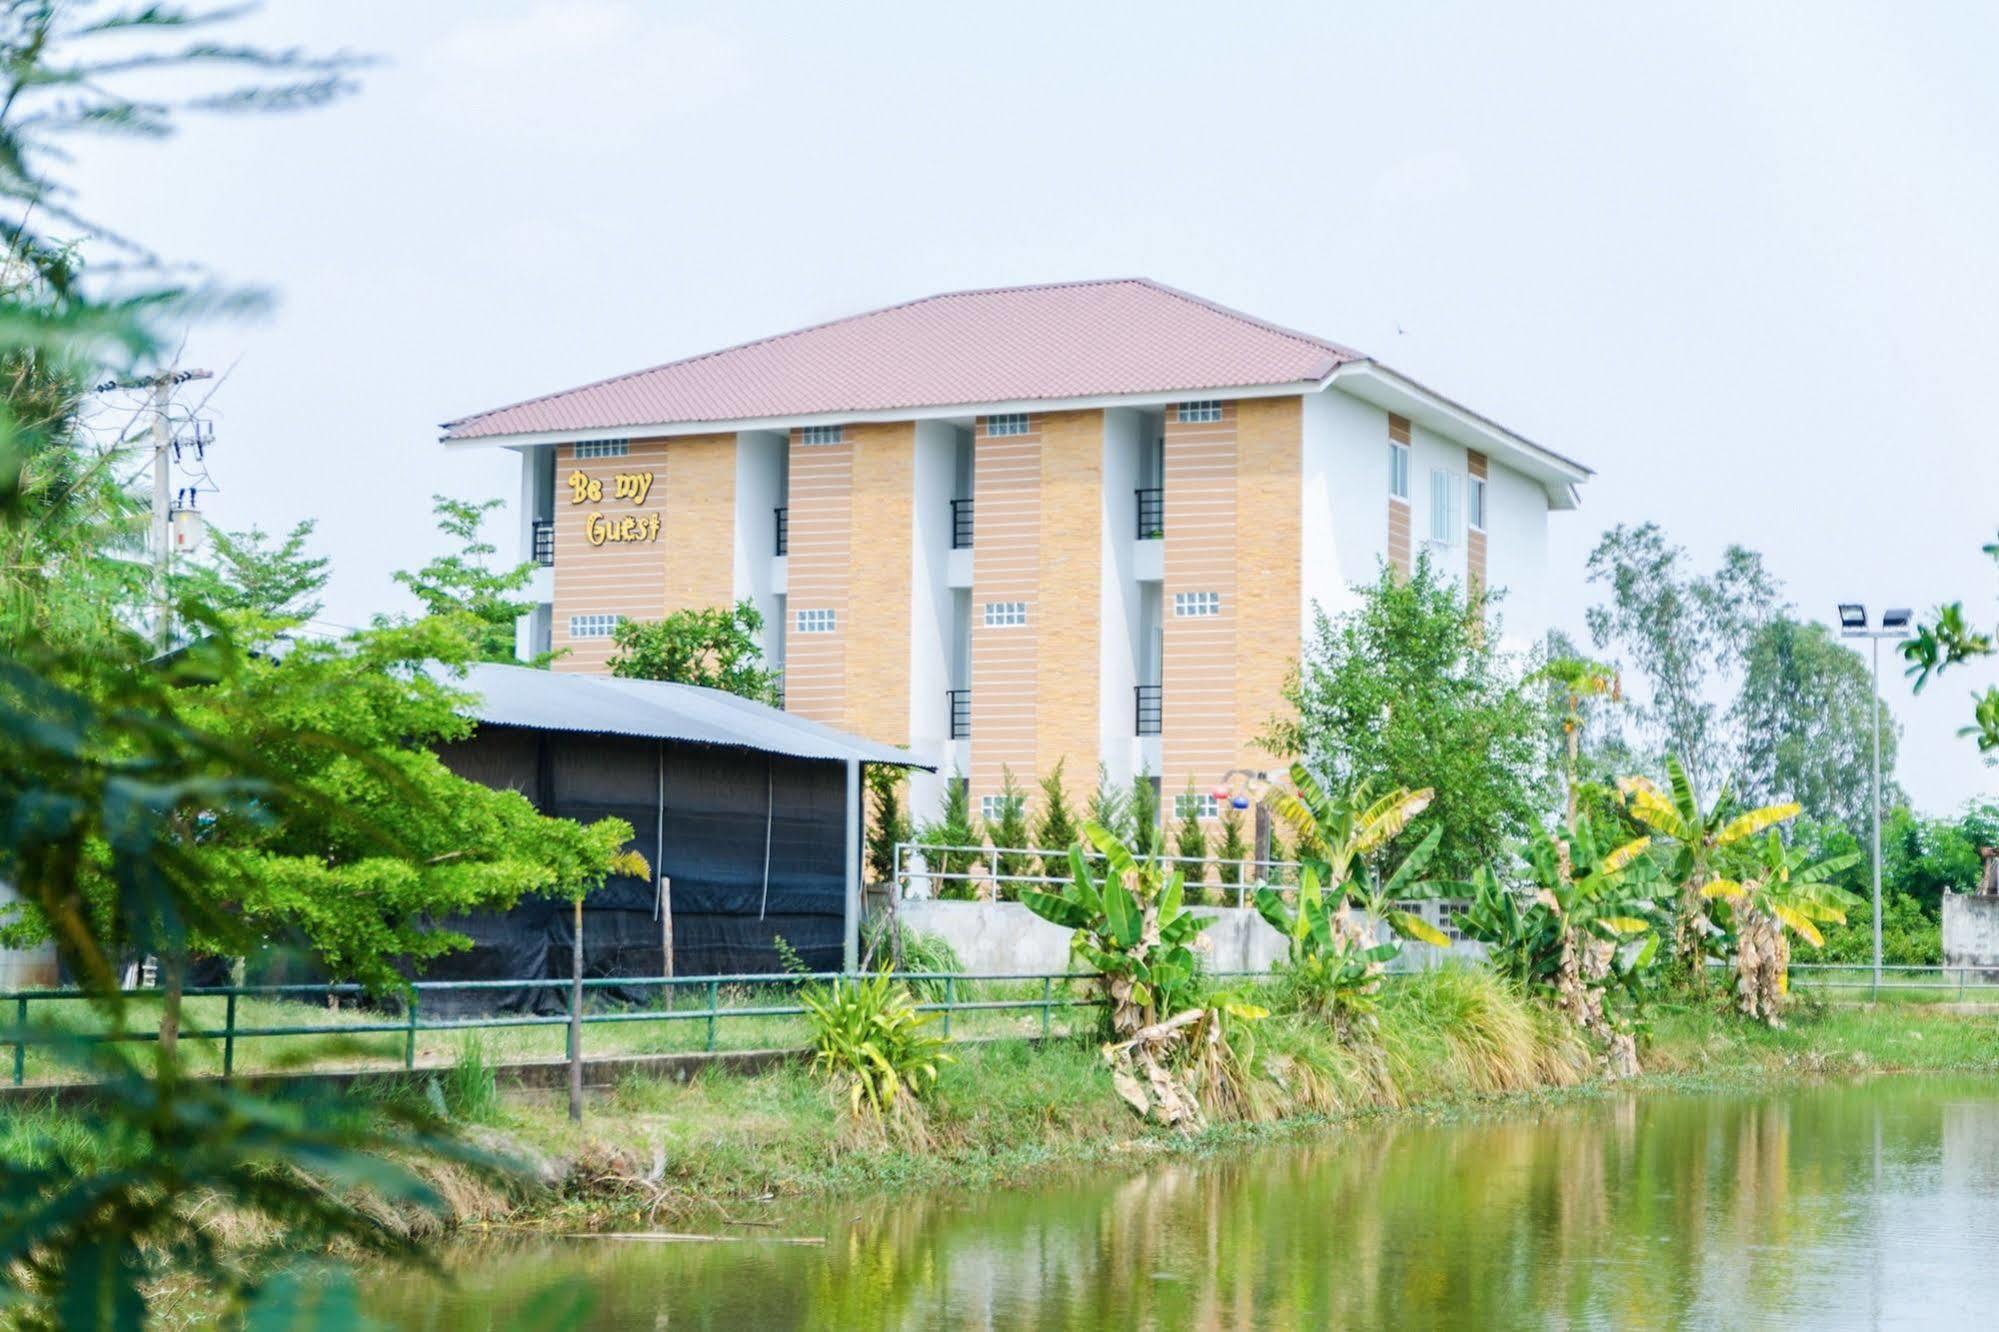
1894	624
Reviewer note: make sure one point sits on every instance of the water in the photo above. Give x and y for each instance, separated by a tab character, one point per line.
1871	1204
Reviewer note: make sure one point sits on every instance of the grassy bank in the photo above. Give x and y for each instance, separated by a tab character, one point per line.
728	1146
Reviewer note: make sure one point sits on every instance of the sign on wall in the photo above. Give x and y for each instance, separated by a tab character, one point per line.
599	527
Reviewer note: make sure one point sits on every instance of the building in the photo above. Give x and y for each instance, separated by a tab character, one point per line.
751	816
1084	522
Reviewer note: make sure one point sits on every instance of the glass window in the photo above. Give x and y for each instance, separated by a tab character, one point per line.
1200	411
816	621
1475	503
603	448
1012	423
1398	470
1196	604
822	434
594	626
1005	614
1204	805
1443	507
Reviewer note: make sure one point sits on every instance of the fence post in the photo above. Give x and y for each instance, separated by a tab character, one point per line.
409	1034
21	1039
1047	990
714	998
229	1035
950	998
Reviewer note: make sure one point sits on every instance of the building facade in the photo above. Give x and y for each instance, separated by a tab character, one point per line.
1086	523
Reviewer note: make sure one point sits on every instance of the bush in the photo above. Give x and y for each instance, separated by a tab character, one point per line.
868	1036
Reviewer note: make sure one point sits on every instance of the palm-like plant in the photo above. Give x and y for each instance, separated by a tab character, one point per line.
1707	843
870	1034
1580	680
1784	891
1338	835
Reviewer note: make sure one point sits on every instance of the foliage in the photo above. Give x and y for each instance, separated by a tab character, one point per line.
1783	889
1109	808
1909	936
1410	688
868	1034
1705	845
1148	827
921	952
1945	640
1190	840
953	828
463	587
1231	851
888	821
1683	634
245	577
1579	681
1055	830
717	647
1010	829
1805	714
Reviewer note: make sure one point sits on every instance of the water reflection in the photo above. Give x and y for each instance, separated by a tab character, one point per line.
1874	1204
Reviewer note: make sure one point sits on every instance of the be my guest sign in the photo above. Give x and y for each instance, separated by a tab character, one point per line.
598	528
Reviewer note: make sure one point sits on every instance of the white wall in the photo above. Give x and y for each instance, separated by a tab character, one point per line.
1516	556
760	465
930	611
1118	646
1430	451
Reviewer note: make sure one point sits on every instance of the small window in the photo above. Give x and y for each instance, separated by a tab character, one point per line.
1475	504
603	448
1194	605
1203	804
992	808
1398	470
1443	507
1005	614
1190	412
594	626
816	621
822	434
1012	423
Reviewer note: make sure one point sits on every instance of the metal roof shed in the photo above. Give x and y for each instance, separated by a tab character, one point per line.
753	814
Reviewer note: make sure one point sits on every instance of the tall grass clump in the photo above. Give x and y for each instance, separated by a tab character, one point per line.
879	1051
1457	1028
469	1090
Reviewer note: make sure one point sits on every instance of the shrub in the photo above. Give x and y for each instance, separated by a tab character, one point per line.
888	821
1232	850
870	1039
1056	829
953	828
1009	830
1190	843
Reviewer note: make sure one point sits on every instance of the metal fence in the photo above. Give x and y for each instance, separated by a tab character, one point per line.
1939	982
713	1006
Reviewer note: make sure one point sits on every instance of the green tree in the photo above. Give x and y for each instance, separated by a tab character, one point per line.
888	822
1232	850
1947	639
1148	829
1805	715
1190	841
1410	688
717	647
464	584
1055	831
1683	634
1109	808
244	574
1009	830
953	828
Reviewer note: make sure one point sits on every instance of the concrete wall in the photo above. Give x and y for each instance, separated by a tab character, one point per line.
1005	938
1971	932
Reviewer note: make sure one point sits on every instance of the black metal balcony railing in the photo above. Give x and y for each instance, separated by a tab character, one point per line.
961	524
1151	513
544	542
961	712
783	530
1150	700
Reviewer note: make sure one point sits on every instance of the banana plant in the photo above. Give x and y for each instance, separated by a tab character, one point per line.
1132	929
1337	836
1580	680
1785	890
1707	845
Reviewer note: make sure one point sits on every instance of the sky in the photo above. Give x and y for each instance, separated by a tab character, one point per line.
1737	258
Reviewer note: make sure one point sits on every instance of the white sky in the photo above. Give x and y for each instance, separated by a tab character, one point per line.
1739	258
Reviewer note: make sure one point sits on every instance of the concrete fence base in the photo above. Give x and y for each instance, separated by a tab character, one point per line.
1971	934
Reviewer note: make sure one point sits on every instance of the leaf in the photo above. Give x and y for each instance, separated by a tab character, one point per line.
1056	910
1755	821
1116	854
1123	918
1388	816
1625	925
1728	888
1411	926
1799	923
1648	804
1413	863
1270	905
1624	855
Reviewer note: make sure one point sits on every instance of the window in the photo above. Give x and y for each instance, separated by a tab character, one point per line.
1005	614
822	434
1012	423
1192	605
1203	804
992	808
1475	503
816	621
1200	411
594	626
603	448
1443	507
1398	470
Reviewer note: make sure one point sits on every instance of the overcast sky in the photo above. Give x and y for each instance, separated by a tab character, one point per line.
1738	258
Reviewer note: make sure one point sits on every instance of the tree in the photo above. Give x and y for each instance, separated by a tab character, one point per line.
243	574
952	829
1684	634
1805	714
717	647
1055	831
888	823
1945	640
1578	680
1148	832
1109	809
1232	850
464	584
1410	689
1008	832
1190	841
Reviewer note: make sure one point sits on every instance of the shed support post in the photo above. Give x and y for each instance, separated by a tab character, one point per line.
851	941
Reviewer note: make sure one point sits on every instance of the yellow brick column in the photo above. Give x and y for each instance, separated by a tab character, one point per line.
877	632
1066	668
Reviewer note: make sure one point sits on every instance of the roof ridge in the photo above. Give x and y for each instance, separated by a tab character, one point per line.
829	323
1254	321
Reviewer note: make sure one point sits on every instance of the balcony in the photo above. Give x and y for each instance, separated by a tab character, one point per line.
960	702
544	542
961	524
783	530
1149	701
1151	513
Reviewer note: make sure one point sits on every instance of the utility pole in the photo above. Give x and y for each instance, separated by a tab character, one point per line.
1894	624
160	439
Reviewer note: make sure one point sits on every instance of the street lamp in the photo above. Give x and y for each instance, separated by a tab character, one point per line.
1894	624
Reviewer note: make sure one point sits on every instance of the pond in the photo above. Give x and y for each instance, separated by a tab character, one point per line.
1865	1204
